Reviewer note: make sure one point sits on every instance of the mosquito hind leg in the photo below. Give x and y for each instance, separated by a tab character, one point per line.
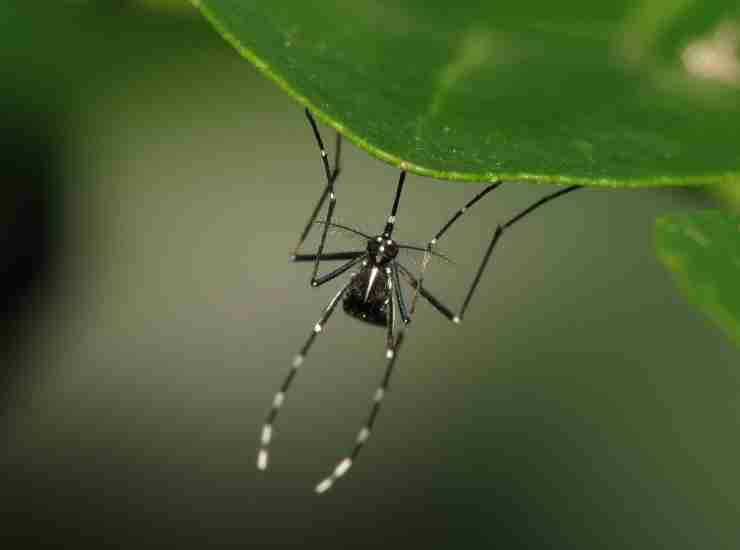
263	455
392	347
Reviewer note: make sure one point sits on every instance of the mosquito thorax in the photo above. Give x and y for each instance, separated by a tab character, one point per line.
382	250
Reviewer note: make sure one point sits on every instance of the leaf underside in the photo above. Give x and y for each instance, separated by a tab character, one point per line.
595	93
702	251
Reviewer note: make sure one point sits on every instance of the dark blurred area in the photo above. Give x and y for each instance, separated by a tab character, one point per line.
153	186
30	213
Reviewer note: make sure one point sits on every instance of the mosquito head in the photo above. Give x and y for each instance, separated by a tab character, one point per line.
382	250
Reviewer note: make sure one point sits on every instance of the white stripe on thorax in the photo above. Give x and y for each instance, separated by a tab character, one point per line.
373	276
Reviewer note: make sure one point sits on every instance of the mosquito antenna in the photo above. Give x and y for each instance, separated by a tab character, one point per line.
345	228
392	218
368	237
420	249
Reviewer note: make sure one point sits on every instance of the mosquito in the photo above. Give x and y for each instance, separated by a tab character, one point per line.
373	293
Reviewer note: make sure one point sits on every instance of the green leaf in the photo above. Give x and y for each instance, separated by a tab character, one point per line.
702	250
618	93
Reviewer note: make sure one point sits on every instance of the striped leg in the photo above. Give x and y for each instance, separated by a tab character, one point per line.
338	271
498	232
331	177
328	257
391	322
391	354
428	296
433	242
399	294
263	456
391	223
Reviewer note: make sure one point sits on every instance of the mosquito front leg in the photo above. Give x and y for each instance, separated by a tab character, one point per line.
331	177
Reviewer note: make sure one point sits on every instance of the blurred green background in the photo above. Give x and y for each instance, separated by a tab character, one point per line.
154	186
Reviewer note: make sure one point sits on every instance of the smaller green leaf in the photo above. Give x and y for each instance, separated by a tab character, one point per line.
702	250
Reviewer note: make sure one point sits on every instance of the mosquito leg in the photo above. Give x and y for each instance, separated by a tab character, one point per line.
337	156
499	231
391	320
337	272
497	235
540	202
263	456
428	296
329	257
331	177
315	280
362	436
399	294
311	220
329	190
433	242
390	224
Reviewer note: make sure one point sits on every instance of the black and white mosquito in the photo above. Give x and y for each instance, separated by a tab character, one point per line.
374	293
